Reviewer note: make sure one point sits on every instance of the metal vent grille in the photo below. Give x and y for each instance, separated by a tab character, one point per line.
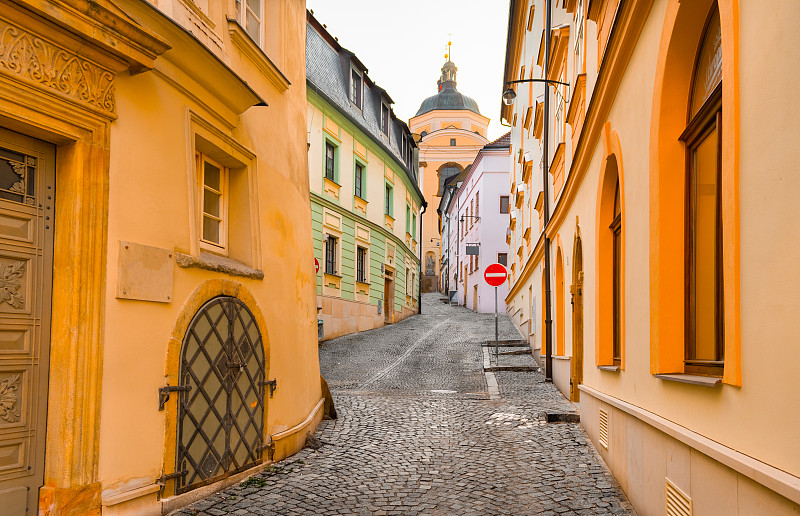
678	503
604	428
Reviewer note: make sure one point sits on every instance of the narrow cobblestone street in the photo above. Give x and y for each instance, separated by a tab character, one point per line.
418	434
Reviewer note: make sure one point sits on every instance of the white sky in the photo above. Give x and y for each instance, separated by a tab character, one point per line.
402	44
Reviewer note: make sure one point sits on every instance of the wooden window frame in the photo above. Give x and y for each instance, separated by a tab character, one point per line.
388	194
243	7
616	267
707	119
356	92
508	204
224	173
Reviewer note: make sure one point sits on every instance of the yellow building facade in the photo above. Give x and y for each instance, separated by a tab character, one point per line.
451	133
155	239
365	201
670	285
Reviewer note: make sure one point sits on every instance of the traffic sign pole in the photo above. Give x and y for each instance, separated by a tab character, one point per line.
496	344
495	275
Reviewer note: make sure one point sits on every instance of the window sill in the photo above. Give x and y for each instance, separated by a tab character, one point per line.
334	275
610	368
212	262
706	381
362	283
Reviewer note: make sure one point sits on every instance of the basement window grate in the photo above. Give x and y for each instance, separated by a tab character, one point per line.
604	428
678	502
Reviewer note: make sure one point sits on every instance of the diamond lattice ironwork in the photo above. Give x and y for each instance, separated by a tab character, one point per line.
221	418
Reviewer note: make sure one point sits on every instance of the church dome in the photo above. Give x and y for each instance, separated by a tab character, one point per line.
448	98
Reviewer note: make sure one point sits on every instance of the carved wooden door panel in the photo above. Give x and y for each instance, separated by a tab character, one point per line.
27	203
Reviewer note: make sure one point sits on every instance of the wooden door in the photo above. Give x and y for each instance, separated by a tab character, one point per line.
27	205
577	320
475	298
388	298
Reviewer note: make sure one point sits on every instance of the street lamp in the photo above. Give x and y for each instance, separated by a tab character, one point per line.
509	96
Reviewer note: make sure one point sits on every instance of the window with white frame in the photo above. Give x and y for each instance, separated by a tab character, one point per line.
331	254
362	263
249	16
214	181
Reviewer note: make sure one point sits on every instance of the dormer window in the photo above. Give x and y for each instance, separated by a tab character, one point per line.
248	14
356	89
384	118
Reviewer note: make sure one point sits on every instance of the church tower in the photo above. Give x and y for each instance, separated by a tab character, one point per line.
452	132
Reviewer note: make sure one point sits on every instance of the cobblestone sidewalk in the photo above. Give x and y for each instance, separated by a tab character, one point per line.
418	434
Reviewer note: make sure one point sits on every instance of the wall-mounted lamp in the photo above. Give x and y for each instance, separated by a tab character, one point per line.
509	96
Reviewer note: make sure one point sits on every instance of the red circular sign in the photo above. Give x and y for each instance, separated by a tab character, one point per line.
495	274
316	264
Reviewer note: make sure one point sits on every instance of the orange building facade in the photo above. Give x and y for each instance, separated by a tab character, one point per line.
665	213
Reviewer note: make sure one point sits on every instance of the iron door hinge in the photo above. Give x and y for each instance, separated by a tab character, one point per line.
163	393
273	385
163	478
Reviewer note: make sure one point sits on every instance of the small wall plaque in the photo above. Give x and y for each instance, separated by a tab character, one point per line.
145	273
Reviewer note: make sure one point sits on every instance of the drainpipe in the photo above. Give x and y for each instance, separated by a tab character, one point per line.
419	274
548	321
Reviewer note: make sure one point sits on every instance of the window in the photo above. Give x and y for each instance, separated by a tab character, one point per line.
330	161
359	180
214	180
414	226
385	118
356	89
452	142
616	227
478	204
408	219
703	136
330	254
248	14
361	264
504	204
502	258
471	213
388	200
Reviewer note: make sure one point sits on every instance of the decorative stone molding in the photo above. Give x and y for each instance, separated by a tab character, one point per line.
40	62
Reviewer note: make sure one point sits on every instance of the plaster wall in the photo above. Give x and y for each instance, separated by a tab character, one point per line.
150	202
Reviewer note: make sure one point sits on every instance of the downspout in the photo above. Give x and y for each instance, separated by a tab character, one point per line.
548	322
419	274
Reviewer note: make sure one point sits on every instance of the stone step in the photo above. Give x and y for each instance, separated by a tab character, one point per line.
515	368
508	343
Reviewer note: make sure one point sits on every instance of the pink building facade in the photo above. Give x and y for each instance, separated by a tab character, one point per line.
475	215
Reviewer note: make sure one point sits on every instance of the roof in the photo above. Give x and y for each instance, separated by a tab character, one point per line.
328	74
503	141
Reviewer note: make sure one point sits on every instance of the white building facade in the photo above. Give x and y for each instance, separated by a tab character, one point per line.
477	216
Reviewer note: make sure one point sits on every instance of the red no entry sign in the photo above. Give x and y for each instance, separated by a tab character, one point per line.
316	265
495	274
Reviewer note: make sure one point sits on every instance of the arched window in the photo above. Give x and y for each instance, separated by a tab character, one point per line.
560	308
616	231
703	139
610	300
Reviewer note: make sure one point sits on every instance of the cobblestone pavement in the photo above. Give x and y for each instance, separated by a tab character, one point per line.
418	434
